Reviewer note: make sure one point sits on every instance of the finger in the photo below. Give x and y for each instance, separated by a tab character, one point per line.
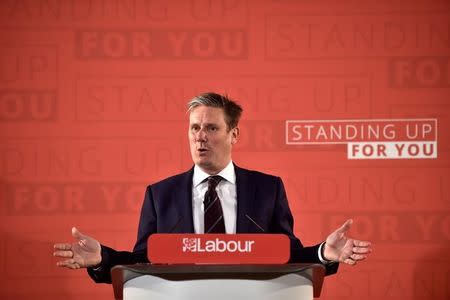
361	250
65	263
70	266
62	246
357	257
63	253
345	227
68	263
349	261
361	243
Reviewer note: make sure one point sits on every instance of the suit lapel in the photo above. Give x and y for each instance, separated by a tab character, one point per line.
185	197
245	190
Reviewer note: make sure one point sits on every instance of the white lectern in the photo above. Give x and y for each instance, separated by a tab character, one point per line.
217	282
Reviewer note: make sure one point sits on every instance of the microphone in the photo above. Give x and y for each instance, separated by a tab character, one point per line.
176	225
254	222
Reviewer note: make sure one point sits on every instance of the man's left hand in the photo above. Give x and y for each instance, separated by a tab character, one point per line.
340	248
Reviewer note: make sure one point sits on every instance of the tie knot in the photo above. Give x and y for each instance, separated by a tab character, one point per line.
213	181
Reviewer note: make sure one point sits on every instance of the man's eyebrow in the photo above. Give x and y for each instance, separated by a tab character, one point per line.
206	124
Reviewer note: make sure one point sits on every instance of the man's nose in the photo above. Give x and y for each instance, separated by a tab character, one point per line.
201	136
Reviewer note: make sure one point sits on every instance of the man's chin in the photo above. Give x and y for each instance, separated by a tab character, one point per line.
206	166
203	163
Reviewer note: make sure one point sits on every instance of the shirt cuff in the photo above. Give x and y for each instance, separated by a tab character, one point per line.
97	268
322	259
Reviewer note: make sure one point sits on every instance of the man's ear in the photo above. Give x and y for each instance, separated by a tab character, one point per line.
234	135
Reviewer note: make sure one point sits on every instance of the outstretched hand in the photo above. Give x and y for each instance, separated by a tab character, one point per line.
340	248
85	252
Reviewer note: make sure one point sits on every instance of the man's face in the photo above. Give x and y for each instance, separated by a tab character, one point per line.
209	138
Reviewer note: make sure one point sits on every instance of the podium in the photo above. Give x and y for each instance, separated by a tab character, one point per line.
217	282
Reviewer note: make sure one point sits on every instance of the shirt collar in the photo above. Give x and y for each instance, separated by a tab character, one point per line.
227	173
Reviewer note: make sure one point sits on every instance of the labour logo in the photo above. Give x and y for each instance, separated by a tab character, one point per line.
190	244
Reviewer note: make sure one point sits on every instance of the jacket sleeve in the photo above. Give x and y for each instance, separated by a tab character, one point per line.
111	257
283	222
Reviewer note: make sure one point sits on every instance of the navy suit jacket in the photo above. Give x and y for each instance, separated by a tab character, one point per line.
167	208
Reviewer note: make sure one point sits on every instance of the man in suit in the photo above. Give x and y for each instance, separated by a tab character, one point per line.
214	196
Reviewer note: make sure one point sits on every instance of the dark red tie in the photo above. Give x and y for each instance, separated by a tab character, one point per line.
214	222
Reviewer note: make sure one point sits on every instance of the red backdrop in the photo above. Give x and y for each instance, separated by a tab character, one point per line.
92	109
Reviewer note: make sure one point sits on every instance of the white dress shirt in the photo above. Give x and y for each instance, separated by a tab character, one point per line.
226	190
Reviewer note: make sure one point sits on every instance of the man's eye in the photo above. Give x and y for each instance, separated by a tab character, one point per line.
213	129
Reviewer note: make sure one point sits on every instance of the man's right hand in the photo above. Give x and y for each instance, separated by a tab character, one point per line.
85	252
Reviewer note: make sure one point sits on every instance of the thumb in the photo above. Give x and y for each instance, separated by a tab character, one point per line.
77	234
345	227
